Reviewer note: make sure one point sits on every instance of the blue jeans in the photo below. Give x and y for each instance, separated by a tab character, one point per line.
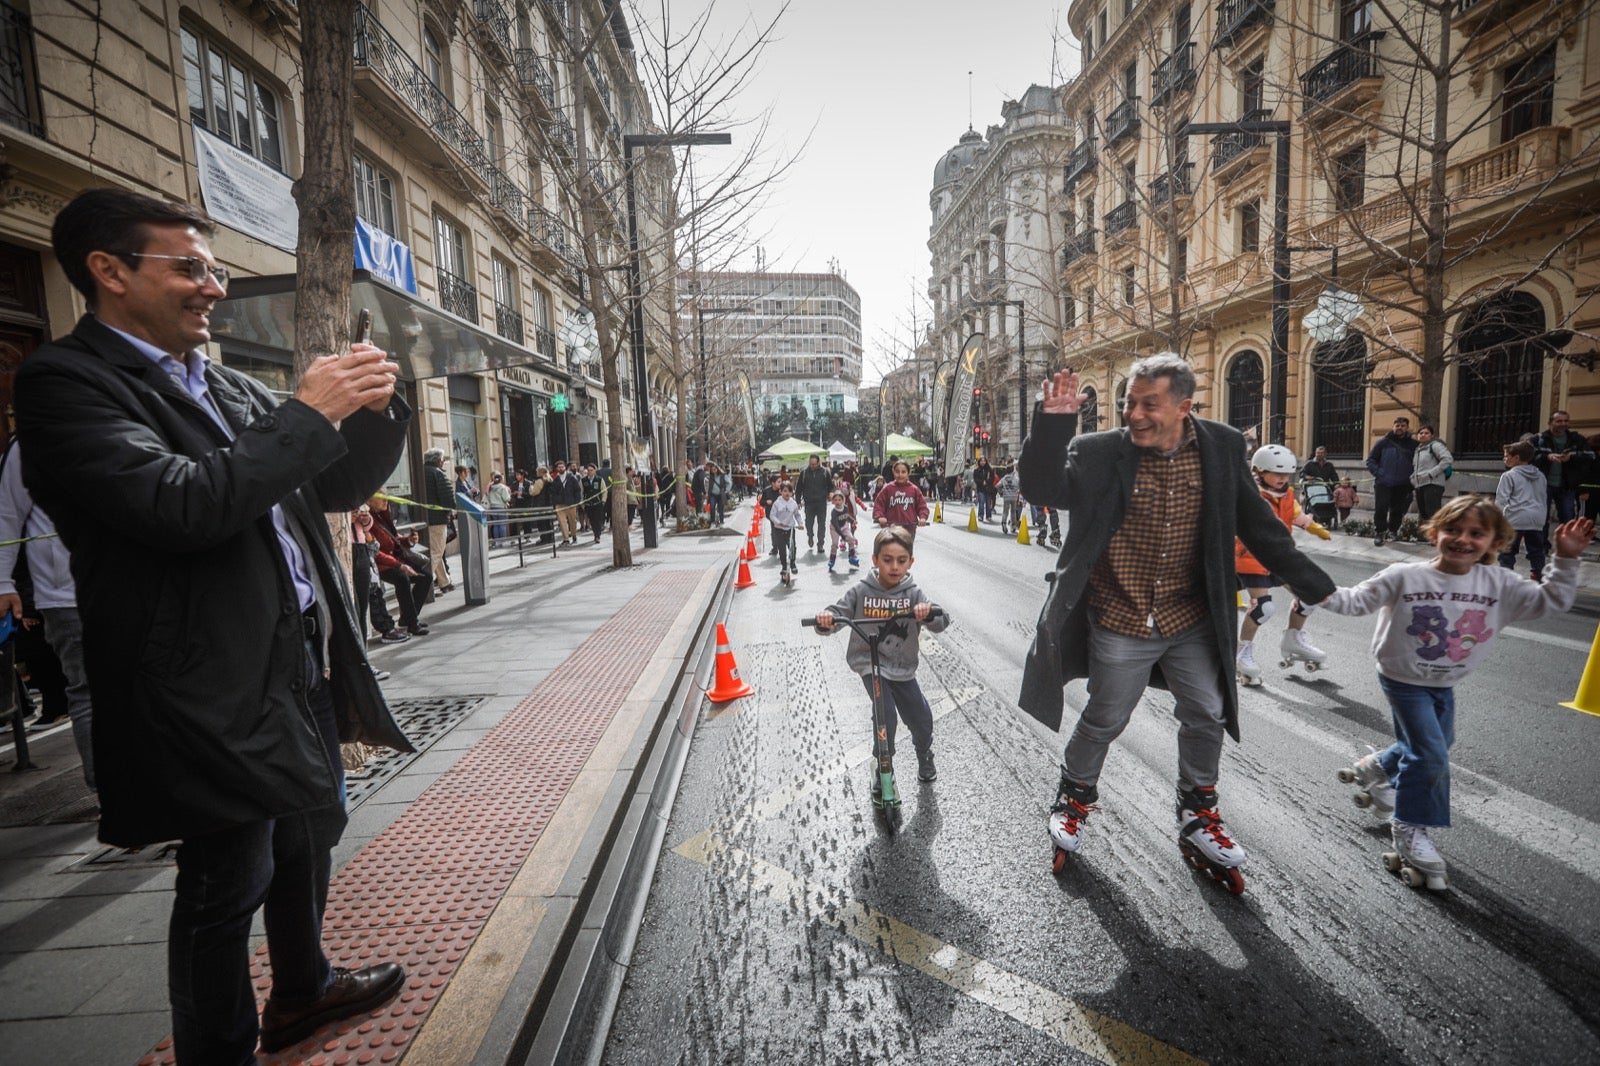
1532	540
282	865
1418	762
1565	502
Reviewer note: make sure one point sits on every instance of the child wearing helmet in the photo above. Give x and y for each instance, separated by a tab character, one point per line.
1273	466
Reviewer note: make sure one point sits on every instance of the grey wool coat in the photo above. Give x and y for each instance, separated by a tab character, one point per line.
1090	479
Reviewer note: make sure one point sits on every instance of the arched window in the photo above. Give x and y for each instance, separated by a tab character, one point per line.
1089	413
1500	374
1244	392
1339	393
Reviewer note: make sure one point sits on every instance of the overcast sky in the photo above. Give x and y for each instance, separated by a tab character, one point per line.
881	86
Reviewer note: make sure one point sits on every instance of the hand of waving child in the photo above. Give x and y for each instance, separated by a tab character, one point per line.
1572	537
824	620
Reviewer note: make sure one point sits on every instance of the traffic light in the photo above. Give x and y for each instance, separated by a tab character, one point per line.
986	436
977	431
976	393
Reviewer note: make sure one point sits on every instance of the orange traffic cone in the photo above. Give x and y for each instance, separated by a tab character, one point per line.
744	579
761	512
748	551
728	686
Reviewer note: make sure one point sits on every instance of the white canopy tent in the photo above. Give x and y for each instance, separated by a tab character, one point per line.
838	453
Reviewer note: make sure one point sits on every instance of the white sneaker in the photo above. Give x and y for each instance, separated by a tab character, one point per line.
1201	825
1249	670
1412	842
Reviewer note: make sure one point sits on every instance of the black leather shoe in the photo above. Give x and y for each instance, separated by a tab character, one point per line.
352	992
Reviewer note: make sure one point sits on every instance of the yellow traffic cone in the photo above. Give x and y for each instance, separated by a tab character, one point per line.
972	519
1588	698
1022	530
938	511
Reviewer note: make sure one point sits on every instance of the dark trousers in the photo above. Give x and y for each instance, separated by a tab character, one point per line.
410	593
282	865
368	593
1389	506
1565	503
597	519
1530	540
904	700
783	541
816	520
1429	497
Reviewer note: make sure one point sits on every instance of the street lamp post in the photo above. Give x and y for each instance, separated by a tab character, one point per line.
1022	368
1280	256
647	477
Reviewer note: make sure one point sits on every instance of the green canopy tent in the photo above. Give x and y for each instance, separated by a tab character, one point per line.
791	451
903	447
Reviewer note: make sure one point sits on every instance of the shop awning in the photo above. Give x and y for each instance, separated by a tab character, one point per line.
258	315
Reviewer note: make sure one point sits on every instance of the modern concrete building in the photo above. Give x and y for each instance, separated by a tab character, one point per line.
796	336
1474	256
995	238
469	121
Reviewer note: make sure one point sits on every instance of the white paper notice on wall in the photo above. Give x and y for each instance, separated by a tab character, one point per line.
245	194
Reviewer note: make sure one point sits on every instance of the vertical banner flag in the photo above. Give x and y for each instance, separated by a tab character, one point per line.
956	432
883	436
749	407
936	411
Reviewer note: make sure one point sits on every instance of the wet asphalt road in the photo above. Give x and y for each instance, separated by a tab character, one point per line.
787	926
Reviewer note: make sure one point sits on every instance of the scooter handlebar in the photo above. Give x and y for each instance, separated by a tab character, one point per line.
810	622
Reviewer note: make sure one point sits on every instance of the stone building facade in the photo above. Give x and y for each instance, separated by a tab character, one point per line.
1482	329
995	239
468	121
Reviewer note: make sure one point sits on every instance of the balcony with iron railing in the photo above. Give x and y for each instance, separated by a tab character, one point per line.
1123	217
458	297
548	229
388	78
1176	184
507	197
1350	75
1173	75
531	71
1077	246
1235	18
1080	162
544	342
1123	121
1230	151
19	79
508	323
559	132
1470	13
494	25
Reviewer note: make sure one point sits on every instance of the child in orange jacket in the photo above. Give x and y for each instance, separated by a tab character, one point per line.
1273	466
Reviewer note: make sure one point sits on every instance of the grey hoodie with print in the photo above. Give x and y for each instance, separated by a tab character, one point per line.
897	653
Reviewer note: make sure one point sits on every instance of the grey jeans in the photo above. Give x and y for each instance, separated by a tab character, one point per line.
1119	673
64	633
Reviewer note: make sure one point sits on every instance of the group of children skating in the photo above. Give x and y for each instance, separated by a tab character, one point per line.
1436	619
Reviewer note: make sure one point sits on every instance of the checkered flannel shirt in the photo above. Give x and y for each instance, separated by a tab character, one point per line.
1148	581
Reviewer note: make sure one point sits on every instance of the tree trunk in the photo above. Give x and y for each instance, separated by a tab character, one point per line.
1431	376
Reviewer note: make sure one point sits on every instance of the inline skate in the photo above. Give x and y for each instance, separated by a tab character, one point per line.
1204	840
1067	815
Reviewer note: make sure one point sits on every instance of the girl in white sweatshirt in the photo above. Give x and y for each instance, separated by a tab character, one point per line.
1436	619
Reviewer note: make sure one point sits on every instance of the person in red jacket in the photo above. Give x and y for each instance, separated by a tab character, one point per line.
1273	466
395	567
900	503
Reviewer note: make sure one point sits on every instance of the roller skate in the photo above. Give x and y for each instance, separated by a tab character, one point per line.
1373	790
1067	815
785	577
1296	647
831	561
1249	670
1415	858
855	561
1204	840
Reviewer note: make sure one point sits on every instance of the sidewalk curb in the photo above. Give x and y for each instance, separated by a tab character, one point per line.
571	1012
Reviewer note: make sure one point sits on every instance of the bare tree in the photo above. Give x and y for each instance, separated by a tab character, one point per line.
1445	114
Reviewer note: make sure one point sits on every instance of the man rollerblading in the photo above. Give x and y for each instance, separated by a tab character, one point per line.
1204	840
1374	791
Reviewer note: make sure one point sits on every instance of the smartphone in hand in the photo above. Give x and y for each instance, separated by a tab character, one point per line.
364	326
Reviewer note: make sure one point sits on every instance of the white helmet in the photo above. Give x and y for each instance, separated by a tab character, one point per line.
1274	459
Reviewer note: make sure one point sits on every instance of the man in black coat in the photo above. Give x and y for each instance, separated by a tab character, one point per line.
222	653
1144	587
814	486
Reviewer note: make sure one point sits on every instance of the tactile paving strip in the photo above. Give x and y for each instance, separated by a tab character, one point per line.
420	892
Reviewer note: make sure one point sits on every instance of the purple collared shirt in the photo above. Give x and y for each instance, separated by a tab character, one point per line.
191	374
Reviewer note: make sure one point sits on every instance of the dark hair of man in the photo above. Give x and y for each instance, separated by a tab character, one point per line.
115	221
1170	365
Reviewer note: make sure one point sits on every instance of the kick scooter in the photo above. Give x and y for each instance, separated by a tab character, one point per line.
885	794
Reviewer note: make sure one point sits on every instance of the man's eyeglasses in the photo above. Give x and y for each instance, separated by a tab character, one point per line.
198	268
